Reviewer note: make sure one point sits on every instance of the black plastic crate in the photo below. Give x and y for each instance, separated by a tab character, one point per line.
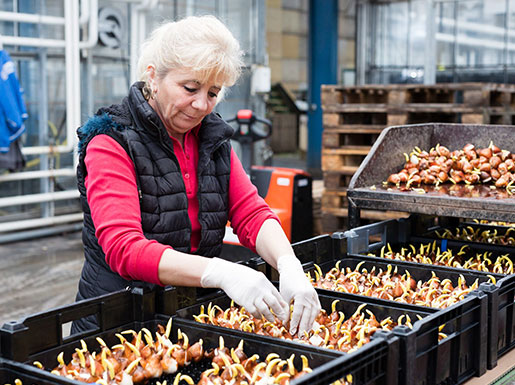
347	303
501	303
194	331
40	338
501	317
416	271
453	360
44	331
424	359
11	371
373	363
402	232
379	357
501	224
498	247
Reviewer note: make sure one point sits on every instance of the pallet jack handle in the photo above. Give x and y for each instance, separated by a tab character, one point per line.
246	127
247	133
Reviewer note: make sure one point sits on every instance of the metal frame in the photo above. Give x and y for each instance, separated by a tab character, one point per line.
71	22
82	16
430	44
362	21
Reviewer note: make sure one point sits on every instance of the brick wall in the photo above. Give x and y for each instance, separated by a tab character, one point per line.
287	40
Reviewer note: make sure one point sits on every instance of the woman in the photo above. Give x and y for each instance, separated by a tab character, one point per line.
159	180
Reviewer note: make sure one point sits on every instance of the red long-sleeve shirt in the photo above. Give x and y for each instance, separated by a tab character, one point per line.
113	199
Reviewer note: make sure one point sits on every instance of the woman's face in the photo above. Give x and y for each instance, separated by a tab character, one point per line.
181	101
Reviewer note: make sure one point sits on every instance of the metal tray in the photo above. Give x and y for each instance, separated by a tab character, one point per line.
385	158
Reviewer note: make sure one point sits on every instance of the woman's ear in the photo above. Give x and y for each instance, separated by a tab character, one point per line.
151	71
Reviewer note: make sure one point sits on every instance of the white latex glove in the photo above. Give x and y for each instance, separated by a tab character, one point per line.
294	284
248	288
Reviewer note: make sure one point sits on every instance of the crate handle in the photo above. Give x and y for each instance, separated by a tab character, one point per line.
359	241
359	238
89	309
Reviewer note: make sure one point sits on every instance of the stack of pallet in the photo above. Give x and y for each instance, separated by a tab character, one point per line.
353	118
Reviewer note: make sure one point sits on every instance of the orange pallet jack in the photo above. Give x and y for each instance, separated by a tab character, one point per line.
288	191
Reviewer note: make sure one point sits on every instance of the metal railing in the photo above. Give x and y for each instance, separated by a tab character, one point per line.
71	23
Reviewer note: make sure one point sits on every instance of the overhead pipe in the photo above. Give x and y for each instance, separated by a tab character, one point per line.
85	11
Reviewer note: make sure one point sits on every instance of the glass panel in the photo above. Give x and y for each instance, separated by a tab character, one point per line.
417	31
398	31
6	27
480	33
445	34
110	82
511	34
471	41
391	30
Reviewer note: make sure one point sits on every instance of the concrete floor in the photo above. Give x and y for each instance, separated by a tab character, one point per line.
39	274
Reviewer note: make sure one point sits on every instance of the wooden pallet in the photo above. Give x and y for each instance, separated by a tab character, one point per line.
491	97
499	115
384	115
373	129
334	199
337	137
359	120
469	94
336	180
339	160
384	94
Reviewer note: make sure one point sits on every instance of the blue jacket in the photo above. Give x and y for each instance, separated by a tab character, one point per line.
12	107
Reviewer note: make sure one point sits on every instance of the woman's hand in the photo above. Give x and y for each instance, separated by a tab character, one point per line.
294	285
248	288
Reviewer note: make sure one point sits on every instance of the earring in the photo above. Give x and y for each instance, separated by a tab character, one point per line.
147	92
154	93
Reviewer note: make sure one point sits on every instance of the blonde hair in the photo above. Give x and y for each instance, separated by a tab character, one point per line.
202	45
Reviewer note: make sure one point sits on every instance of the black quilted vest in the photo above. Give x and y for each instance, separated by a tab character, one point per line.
163	201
